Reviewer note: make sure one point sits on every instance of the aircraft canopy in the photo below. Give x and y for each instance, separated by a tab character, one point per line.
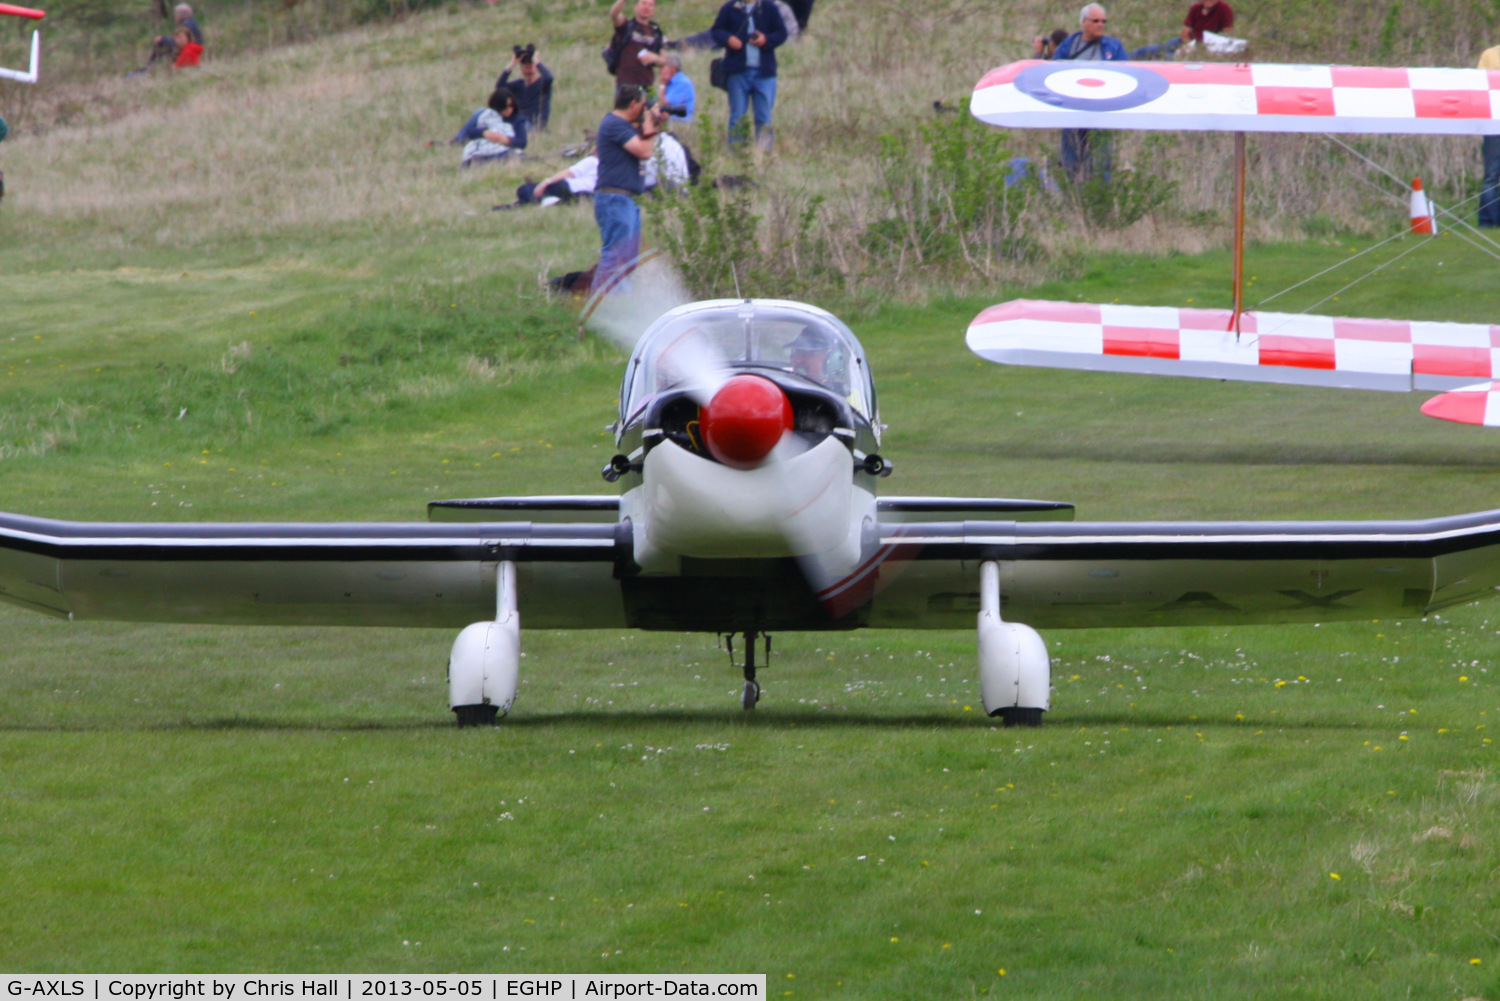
696	342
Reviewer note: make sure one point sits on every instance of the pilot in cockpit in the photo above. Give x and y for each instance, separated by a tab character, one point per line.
812	358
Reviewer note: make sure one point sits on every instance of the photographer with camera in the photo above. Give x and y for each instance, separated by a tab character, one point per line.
534	88
625	142
678	95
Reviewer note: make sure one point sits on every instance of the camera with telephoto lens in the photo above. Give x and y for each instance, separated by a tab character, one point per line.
664	108
524	54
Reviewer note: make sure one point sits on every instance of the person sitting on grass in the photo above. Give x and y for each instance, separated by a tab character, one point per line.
189	52
471	130
165	48
496	134
564	186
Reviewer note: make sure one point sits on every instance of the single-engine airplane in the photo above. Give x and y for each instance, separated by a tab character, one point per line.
1462	359
748	462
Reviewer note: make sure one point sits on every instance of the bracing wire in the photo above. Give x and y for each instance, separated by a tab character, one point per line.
1456	224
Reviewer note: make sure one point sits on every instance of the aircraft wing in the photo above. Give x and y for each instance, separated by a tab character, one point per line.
1239	97
1131	574
395	574
1295	348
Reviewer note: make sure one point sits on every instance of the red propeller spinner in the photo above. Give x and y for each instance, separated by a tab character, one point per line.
745	420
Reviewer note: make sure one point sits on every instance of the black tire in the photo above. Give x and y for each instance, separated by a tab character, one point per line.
481	715
1020	716
750	695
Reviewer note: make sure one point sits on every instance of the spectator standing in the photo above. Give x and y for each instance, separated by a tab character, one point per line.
639	40
705	38
676	88
1088	44
751	32
533	89
802	11
1489	189
625	141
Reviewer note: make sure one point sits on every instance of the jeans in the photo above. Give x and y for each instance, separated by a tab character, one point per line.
745	88
1489	191
619	219
1085	155
1161	50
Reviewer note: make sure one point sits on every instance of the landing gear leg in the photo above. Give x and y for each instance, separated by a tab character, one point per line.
751	693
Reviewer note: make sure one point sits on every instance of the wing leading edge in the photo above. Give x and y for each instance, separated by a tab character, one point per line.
922	575
1129	574
395	574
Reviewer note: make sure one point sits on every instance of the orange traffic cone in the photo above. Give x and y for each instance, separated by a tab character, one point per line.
1421	211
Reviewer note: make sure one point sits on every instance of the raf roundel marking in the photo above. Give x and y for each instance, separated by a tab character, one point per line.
1092	86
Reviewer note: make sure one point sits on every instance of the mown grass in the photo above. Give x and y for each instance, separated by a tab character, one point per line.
198	798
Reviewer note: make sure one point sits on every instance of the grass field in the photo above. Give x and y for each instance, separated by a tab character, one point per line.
1209	813
251	329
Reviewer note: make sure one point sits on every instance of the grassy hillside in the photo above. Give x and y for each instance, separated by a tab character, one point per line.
255	292
278	140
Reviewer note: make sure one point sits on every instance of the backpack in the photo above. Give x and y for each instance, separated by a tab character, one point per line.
695	169
616	47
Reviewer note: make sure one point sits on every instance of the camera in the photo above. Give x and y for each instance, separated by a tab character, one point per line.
663	109
524	53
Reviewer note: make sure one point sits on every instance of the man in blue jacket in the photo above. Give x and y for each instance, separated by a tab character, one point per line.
750	32
1089	44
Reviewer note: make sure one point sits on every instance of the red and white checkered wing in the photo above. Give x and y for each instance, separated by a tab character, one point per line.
1227	97
1397	355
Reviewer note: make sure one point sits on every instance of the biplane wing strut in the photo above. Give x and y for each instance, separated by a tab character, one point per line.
1269	347
30	75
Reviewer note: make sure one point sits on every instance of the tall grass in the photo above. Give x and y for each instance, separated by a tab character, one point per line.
329	114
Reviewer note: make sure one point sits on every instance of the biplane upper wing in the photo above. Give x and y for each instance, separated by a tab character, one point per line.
1398	355
1084	575
1240	97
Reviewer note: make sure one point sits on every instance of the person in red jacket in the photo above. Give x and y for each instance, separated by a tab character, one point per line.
189	52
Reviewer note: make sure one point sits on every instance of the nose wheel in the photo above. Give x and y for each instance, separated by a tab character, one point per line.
750	695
